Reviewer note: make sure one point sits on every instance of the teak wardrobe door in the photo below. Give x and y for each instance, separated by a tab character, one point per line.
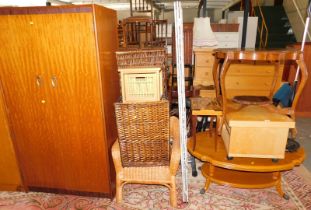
24	90
74	90
9	171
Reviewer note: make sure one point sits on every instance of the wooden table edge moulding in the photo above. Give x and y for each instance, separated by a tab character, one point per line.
246	172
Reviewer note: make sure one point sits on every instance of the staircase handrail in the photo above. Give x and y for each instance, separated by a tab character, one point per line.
263	26
300	16
141	6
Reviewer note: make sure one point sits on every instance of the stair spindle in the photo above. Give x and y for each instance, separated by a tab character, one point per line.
135	5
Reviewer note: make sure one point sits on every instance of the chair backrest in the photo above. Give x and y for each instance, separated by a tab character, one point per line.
137	31
160	33
188	43
143	130
144	32
120	33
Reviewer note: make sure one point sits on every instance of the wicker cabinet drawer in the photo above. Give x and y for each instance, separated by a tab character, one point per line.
143	84
204	59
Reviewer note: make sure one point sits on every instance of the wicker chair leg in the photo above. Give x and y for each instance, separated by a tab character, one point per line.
119	187
173	199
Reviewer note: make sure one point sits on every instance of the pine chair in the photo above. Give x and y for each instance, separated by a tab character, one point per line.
143	153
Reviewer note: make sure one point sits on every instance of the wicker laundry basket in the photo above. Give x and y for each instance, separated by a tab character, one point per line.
143	130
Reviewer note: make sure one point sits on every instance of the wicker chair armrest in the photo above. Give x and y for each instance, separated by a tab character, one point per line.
175	160
175	155
116	156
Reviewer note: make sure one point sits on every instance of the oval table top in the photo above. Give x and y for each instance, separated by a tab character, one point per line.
210	148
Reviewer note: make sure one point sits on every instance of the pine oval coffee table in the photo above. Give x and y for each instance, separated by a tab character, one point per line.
240	172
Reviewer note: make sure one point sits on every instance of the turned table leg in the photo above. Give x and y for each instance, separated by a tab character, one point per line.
207	183
277	176
193	129
219	124
208	179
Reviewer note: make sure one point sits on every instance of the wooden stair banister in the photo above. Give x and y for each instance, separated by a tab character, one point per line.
141	6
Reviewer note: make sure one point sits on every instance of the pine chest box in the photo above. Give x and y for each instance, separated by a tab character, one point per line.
256	132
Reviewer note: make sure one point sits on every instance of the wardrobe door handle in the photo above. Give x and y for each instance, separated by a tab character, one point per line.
54	81
39	80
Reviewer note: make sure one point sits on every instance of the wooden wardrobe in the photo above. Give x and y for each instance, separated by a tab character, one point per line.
9	172
59	77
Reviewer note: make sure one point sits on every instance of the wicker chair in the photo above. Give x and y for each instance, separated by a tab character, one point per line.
143	153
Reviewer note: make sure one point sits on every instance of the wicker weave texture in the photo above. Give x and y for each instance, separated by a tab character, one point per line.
141	58
143	130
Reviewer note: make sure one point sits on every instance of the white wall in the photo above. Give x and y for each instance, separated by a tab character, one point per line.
251	32
188	15
123	14
268	3
216	15
293	17
233	15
